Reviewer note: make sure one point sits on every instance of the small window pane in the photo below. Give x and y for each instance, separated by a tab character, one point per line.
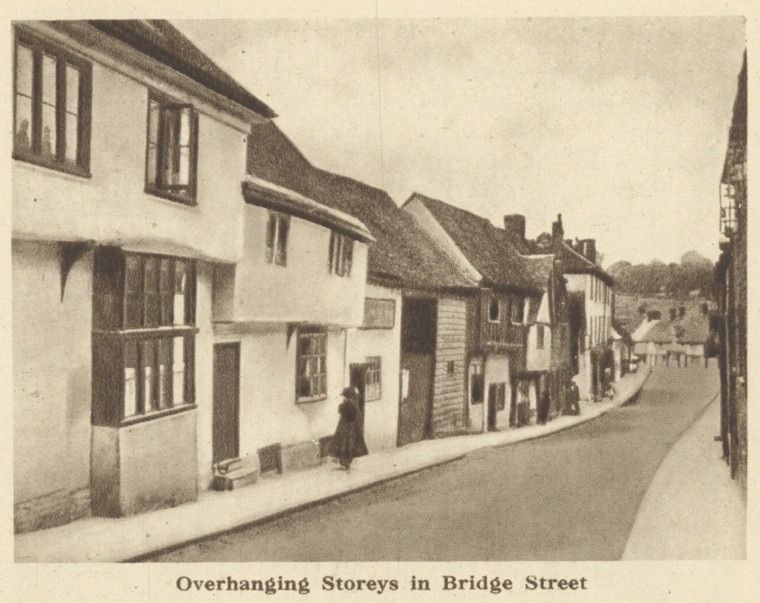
72	89
165	370
147	363
72	137
180	285
48	130
271	235
49	65
130	378
179	370
183	178
184	129
282	241
24	70
23	134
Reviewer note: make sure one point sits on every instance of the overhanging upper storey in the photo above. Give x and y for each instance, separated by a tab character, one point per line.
265	194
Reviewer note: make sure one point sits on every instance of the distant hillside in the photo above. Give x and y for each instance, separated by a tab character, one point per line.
693	276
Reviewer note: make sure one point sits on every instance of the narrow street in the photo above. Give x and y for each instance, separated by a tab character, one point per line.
573	495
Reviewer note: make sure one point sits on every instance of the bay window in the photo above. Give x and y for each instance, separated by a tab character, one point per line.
143	336
341	254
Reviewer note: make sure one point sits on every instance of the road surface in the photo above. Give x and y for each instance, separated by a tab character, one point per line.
568	496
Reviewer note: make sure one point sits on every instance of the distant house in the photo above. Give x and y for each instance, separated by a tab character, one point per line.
513	334
410	345
128	157
622	346
590	340
679	340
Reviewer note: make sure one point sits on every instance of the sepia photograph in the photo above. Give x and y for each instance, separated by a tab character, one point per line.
385	289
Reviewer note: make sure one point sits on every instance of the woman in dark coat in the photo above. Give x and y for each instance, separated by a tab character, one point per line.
348	441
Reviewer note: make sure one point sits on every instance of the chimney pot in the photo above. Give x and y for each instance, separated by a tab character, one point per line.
515	225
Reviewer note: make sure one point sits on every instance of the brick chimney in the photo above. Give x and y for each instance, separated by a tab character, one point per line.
558	232
588	249
514	224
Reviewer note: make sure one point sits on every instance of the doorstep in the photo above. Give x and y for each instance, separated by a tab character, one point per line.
101	539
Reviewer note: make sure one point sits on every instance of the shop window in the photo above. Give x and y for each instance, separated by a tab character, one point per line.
341	254
373	379
52	96
171	155
311	372
278	229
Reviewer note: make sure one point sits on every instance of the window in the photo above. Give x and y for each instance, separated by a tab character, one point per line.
311	372
341	254
539	336
277	239
143	335
170	164
372	379
494	310
477	384
52	95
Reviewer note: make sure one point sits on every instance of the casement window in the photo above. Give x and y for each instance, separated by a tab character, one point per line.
539	336
311	366
373	379
341	254
52	96
172	151
497	395
477	383
494	310
278	228
143	336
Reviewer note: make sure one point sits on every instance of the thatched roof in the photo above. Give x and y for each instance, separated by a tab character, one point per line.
164	42
403	254
488	248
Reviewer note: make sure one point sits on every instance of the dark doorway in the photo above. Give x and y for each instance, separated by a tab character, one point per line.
419	318
225	433
358	374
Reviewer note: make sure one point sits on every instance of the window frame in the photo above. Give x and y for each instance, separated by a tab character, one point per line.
57	161
540	336
340	254
119	345
271	252
319	395
166	104
374	371
497	301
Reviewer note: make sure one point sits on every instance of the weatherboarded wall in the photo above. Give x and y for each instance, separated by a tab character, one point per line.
450	355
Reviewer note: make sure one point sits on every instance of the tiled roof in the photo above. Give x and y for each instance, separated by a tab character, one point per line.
164	42
402	254
488	248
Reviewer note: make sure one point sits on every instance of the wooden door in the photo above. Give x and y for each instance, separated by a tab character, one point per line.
226	427
415	407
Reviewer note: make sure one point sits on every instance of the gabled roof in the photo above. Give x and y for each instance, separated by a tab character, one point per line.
573	262
164	42
488	248
403	254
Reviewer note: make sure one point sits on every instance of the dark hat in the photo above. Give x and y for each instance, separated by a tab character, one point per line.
348	392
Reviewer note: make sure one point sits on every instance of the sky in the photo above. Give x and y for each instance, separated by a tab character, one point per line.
619	124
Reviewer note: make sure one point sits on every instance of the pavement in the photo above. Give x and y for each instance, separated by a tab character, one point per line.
692	487
100	539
